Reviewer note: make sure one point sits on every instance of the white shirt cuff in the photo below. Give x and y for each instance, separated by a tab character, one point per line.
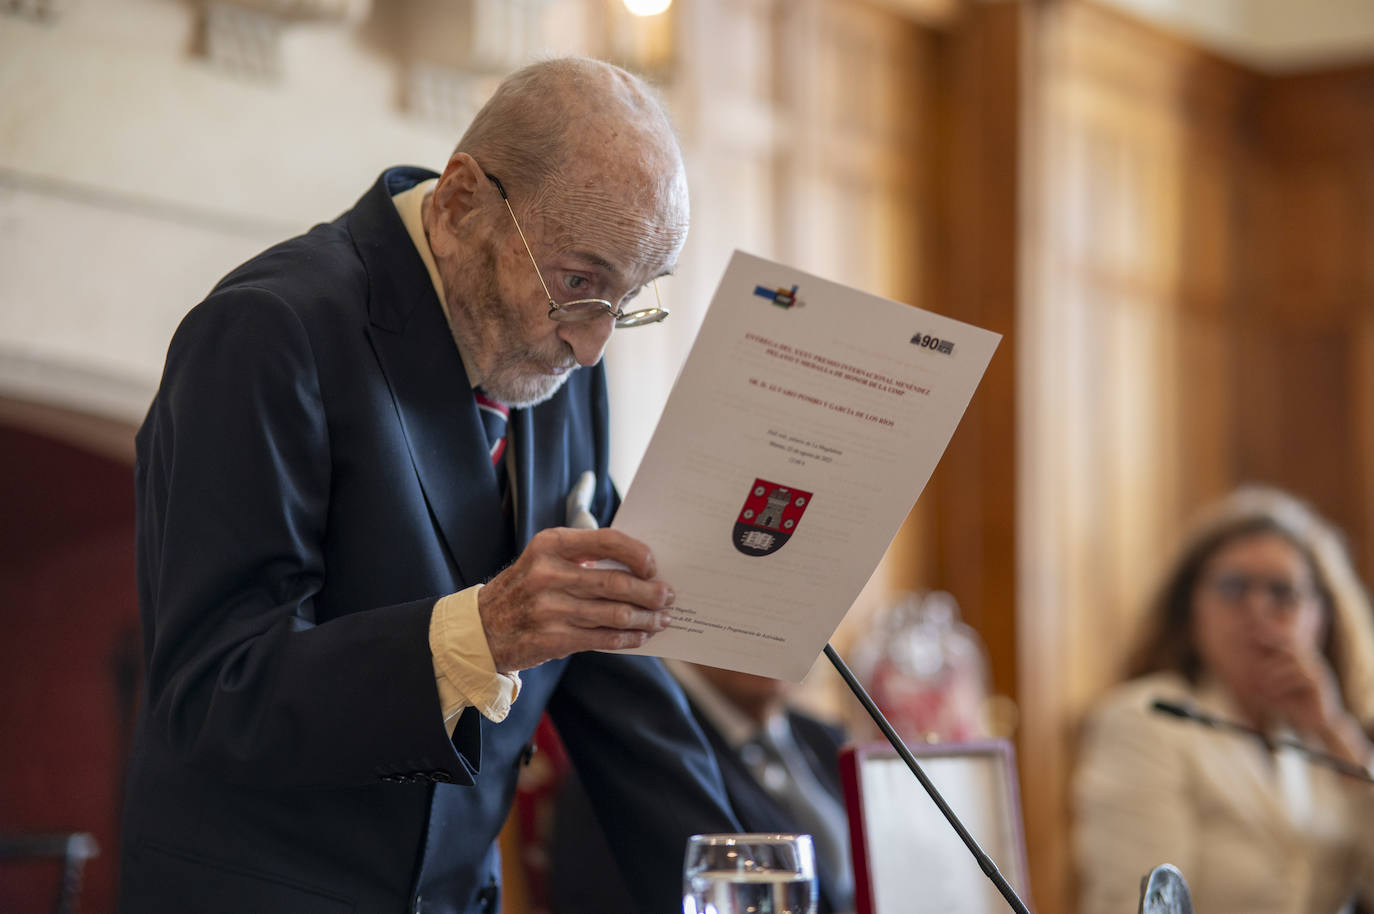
463	669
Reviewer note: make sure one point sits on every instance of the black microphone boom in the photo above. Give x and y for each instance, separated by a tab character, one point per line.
1322	758
984	861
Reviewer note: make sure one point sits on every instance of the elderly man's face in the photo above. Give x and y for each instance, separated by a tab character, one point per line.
606	235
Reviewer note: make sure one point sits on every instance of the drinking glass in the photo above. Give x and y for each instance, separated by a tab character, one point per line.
749	874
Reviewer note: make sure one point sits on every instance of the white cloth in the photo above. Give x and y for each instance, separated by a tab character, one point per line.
1253	832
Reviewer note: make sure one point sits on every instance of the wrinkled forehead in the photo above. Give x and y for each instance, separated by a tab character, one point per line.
626	199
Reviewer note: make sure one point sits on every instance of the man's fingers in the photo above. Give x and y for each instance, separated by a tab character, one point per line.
609	584
555	600
578	546
598	614
565	612
573	629
610	639
556	572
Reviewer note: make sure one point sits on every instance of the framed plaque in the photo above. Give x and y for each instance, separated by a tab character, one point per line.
907	857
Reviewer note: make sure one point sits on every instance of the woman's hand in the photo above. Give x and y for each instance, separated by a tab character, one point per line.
1299	687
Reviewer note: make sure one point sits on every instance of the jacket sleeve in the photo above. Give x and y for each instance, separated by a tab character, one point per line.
233	485
1130	804
651	775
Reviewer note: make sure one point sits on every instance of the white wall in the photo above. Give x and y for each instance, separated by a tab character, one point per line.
133	174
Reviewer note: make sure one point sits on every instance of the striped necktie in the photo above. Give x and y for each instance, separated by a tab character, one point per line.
494	415
785	775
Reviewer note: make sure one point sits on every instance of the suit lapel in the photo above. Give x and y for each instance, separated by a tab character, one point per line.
428	386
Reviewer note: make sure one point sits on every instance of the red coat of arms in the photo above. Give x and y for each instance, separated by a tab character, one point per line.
769	517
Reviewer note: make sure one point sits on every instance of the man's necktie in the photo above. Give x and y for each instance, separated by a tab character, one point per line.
494	415
785	775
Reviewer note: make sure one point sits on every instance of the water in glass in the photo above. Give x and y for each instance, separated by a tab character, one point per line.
749	874
731	892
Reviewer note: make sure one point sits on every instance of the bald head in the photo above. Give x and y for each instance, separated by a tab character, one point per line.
591	172
572	134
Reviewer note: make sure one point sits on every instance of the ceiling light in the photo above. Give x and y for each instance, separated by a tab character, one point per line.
647	7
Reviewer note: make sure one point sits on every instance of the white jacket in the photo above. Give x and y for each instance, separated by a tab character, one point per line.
1253	832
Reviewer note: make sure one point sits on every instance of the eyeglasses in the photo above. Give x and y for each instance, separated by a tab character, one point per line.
1235	587
583	309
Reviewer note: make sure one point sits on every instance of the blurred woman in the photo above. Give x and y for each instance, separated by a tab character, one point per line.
1260	620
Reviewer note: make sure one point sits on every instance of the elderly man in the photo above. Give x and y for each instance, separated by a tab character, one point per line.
336	707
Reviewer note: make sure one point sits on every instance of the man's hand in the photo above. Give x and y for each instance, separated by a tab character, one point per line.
551	602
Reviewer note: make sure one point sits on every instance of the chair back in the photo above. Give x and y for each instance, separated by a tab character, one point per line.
70	849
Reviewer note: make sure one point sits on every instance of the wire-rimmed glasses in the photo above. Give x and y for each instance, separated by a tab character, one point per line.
583	309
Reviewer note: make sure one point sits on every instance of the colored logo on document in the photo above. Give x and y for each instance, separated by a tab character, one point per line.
783	298
769	517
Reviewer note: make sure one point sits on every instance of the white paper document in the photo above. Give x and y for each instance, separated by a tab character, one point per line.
803	426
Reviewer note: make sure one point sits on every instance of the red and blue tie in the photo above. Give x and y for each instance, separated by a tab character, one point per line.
494	416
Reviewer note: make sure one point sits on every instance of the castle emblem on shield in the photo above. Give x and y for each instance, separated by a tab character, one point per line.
769	517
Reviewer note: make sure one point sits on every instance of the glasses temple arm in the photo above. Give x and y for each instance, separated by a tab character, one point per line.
506	200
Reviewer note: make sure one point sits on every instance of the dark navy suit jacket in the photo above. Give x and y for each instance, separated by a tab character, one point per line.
312	475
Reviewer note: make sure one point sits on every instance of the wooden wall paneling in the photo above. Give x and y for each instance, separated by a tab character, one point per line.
1151	229
1312	244
876	132
1205	449
1308	298
854	85
852	80
1126	257
797	82
733	132
1323	112
1214	190
974	185
1294	399
1361	531
1038	584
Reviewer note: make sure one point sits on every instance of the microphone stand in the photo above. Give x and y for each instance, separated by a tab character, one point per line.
1216	723
984	861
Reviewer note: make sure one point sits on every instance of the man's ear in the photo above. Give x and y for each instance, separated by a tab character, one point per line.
459	191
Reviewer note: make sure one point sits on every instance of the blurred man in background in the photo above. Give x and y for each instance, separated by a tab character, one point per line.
781	768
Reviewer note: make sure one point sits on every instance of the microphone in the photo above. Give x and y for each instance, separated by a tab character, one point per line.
984	861
1316	755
